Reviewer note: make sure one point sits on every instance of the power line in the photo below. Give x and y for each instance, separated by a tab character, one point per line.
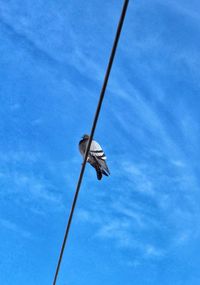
119	28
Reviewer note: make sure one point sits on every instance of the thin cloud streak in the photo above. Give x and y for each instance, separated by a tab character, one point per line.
10	226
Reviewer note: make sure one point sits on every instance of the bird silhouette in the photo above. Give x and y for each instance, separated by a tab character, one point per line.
96	156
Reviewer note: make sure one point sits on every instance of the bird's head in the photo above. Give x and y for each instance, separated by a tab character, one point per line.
85	137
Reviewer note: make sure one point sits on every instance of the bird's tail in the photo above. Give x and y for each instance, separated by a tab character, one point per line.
99	173
103	171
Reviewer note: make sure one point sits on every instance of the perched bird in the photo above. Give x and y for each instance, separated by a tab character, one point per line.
96	156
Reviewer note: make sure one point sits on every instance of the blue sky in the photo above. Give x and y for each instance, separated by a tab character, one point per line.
140	225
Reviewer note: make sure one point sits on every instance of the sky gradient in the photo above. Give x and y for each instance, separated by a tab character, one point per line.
140	225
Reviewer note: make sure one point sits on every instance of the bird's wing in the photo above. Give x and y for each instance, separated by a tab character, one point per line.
97	151
103	164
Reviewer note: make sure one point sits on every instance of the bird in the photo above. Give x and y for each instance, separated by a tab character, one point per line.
96	156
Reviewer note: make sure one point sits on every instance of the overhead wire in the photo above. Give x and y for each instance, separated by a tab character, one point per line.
98	109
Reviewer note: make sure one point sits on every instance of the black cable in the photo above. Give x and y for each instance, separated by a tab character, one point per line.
119	28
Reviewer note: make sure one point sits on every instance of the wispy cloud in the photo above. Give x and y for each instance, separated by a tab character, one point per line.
10	226
182	7
28	185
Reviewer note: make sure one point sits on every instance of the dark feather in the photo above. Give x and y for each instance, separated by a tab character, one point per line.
99	174
103	171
